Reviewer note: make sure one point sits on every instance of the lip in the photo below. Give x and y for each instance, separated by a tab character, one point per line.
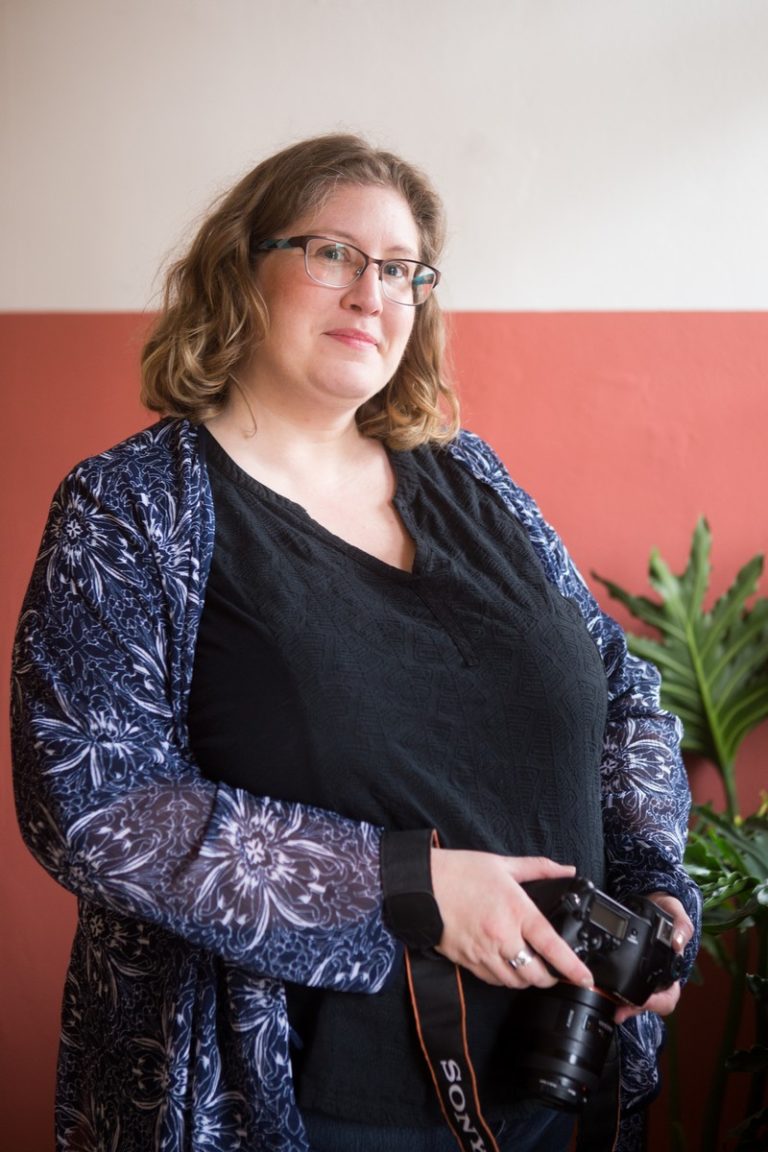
353	337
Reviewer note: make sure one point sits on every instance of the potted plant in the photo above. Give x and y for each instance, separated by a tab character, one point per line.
714	667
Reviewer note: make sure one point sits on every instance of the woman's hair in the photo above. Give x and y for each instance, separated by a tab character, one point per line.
213	314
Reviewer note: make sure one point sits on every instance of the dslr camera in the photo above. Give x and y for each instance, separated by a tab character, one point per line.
566	1030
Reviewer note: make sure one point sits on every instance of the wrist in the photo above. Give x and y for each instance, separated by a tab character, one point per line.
410	910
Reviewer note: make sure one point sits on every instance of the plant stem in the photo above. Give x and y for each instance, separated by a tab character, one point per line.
716	1102
728	776
722	761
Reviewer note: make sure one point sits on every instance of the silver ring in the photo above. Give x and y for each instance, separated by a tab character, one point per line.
522	960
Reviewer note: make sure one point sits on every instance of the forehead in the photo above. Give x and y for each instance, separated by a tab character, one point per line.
371	215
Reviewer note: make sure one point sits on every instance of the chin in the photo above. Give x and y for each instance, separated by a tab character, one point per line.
358	390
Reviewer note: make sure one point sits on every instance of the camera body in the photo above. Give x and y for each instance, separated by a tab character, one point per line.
627	948
565	1032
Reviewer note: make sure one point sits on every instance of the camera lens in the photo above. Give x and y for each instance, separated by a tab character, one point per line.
565	1034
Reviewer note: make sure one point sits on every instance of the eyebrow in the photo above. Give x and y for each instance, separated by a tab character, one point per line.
404	250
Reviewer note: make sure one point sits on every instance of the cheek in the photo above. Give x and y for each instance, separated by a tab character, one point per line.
403	330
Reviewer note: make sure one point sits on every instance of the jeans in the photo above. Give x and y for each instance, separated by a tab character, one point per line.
546	1131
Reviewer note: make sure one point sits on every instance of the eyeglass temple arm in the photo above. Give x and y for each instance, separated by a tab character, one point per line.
268	245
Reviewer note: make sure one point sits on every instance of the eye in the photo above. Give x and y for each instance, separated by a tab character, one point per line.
398	269
333	254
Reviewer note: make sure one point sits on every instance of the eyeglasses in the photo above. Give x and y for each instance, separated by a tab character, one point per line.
336	265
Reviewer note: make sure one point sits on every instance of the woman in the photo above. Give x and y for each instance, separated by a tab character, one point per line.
273	642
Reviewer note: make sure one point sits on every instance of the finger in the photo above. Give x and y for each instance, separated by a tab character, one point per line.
518	976
535	975
683	929
679	939
489	975
663	1003
553	949
524	868
625	1013
683	933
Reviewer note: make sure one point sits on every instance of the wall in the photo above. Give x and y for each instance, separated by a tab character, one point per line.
592	155
604	169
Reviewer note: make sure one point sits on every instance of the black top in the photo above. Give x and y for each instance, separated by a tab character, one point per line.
466	696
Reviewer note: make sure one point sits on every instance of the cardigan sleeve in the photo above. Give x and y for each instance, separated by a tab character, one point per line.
644	786
108	796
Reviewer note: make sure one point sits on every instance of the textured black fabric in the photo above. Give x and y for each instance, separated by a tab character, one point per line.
465	696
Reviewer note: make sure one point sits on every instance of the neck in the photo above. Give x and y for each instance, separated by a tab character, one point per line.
281	439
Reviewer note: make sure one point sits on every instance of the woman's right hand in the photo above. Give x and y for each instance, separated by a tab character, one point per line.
488	918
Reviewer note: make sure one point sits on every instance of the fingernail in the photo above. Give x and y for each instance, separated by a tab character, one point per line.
679	940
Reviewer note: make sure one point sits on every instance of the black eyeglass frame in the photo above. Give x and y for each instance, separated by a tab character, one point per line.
302	241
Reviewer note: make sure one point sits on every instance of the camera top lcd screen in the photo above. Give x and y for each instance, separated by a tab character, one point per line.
607	919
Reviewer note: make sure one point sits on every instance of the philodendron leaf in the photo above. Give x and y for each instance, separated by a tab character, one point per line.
714	665
719	843
716	894
728	859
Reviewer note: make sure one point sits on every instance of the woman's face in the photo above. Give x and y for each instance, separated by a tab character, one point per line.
331	349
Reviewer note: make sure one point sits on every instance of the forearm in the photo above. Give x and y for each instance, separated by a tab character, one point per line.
109	799
646	803
282	889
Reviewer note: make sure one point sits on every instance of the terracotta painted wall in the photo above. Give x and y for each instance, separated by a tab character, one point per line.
625	426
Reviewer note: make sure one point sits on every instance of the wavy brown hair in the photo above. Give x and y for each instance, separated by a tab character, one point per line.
213	314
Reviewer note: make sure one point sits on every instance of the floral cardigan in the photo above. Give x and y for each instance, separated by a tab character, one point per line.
196	899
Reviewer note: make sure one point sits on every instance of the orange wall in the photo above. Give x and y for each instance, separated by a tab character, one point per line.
625	426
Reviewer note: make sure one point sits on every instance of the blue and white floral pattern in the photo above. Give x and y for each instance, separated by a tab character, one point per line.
645	794
196	899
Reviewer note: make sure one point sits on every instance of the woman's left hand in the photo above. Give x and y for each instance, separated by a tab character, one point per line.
666	1001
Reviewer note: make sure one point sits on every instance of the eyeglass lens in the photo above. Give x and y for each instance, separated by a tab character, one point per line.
405	281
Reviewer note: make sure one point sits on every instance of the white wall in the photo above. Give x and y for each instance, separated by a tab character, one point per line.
593	154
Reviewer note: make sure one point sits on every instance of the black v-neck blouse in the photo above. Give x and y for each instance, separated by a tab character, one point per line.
466	696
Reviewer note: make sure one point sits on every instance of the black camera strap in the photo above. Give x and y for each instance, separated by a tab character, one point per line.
437	997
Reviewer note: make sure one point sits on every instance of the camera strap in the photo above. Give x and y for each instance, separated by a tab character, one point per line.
437	998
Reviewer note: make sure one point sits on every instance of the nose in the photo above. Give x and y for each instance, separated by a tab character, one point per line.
365	294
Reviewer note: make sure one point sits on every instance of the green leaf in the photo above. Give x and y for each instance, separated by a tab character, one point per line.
728	859
715	839
713	664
